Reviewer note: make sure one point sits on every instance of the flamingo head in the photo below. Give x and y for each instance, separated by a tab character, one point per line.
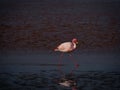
74	40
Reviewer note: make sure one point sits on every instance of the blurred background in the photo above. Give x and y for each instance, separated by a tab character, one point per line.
41	25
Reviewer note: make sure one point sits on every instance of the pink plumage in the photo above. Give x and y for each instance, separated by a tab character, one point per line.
67	46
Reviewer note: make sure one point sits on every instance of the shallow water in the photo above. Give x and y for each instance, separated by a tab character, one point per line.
48	80
93	61
40	71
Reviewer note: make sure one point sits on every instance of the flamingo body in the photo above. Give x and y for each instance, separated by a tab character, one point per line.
67	46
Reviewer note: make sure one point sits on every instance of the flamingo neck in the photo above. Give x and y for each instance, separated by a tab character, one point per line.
74	45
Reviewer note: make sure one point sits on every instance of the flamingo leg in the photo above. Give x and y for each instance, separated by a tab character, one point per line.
60	64
60	60
76	65
74	60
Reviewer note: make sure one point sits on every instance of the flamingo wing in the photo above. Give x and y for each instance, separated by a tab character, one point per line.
67	46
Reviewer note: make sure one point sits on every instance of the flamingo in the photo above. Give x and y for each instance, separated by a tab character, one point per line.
66	47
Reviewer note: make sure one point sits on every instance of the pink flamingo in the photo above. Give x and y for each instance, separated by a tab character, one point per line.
67	47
